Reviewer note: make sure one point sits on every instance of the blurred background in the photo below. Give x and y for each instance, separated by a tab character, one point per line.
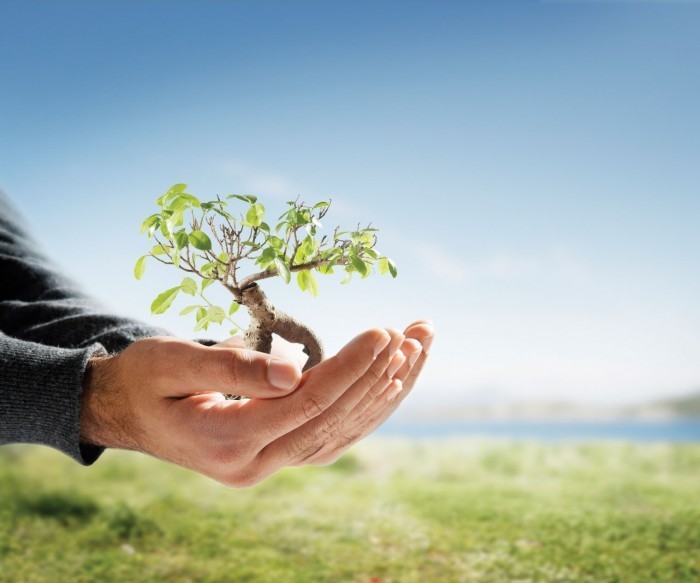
533	168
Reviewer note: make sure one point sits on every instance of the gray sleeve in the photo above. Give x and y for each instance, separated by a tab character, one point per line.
40	390
48	331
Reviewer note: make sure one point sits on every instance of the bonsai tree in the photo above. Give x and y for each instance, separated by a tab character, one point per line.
227	241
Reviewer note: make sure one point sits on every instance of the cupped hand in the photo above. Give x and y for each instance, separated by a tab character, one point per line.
163	396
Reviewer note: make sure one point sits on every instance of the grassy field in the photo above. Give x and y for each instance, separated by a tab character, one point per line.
391	511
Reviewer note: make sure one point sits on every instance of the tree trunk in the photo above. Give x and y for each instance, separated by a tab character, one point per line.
266	320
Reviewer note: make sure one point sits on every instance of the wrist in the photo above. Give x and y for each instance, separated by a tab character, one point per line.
101	406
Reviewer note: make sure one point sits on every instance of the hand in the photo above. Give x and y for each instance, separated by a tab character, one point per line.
163	396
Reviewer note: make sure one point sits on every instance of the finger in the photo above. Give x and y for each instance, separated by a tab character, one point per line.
424	334
185	368
397	361
411	349
401	362
320	387
297	445
371	419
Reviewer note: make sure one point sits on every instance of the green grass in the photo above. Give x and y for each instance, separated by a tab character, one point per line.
391	511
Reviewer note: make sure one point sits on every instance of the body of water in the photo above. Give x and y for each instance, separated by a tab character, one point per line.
676	430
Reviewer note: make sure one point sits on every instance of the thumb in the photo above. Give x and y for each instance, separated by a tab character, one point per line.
228	369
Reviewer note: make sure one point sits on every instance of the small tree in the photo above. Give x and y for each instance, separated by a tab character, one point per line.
229	242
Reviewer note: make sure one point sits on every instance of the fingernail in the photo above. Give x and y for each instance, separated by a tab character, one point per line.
381	345
412	359
282	374
427	343
394	365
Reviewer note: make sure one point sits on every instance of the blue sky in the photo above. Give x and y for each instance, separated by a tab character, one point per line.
533	167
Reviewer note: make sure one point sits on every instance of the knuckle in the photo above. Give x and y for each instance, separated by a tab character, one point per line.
231	365
307	454
301	449
346	441
312	406
330	426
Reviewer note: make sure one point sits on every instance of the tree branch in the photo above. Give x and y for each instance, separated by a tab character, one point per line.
268	273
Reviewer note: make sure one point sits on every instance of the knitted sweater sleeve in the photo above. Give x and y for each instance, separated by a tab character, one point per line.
49	330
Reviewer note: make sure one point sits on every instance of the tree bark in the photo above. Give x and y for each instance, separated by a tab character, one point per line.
266	320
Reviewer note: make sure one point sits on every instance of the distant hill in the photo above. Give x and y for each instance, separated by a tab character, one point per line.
687	406
676	407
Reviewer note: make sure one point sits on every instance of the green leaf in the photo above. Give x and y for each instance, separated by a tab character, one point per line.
255	214
267	257
225	214
309	244
194	201
209	268
140	267
188	310
166	227
358	264
233	331
206	283
159	250
326	268
200	240
181	239
216	314
301	281
149	222
189	286
283	270
172	192
234	308
201	313
202	323
392	268
175	256
347	278
164	300
177	218
383	265
321	204
244	197
307	282
275	242
178	203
